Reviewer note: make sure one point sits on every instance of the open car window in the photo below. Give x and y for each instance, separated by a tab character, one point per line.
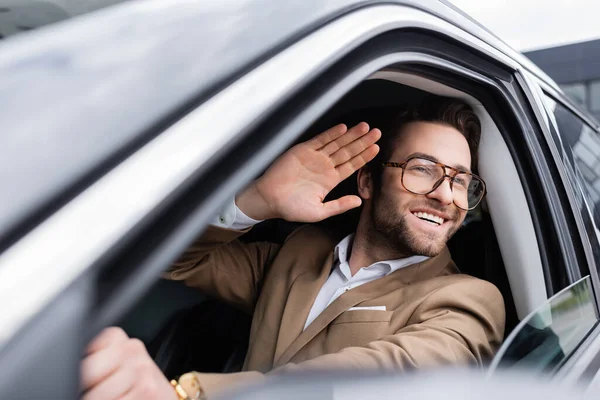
549	335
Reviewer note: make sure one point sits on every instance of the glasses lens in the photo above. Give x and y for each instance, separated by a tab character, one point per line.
420	175
468	191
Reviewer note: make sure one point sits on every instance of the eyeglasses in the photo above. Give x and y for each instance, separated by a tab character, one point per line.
422	176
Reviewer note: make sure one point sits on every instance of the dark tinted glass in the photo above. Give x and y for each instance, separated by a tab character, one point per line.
579	144
582	144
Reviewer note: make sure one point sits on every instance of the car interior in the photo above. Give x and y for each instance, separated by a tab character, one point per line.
171	317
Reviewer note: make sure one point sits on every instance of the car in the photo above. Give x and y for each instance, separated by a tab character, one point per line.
125	130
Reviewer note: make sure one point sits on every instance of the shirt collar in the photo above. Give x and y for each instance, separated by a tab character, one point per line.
344	247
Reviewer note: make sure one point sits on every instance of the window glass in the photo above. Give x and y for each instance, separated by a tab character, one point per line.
548	336
579	145
582	146
23	15
595	96
576	92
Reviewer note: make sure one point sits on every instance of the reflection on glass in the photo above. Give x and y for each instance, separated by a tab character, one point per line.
576	92
595	96
547	337
582	146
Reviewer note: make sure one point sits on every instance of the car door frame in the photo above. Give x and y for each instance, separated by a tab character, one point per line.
584	364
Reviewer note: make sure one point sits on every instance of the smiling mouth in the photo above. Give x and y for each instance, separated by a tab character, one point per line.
432	219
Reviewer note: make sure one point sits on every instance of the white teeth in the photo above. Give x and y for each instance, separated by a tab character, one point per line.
430	217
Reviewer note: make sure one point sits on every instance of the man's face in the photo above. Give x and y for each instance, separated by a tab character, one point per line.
401	216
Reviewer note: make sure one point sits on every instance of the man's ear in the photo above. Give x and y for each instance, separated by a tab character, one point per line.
364	182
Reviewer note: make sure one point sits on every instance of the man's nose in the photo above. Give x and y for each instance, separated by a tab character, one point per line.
443	193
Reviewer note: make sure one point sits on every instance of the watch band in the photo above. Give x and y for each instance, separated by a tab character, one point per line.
188	387
179	390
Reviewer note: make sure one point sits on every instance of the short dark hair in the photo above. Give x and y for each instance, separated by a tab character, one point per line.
442	110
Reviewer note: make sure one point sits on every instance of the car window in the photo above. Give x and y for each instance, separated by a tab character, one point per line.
25	15
583	150
549	335
580	145
577	92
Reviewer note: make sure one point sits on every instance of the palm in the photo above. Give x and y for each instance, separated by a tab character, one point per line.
296	185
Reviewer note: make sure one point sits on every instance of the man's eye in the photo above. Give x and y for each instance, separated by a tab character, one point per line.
462	182
421	170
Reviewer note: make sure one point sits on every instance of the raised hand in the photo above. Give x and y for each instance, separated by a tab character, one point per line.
295	186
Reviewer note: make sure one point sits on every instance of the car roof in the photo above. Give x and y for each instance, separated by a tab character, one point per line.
78	98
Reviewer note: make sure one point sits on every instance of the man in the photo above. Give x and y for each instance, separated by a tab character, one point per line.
387	297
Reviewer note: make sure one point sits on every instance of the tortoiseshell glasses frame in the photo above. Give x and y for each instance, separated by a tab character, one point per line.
427	175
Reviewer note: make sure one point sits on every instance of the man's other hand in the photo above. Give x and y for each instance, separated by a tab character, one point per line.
295	186
118	367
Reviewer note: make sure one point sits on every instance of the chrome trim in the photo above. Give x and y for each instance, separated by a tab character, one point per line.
45	261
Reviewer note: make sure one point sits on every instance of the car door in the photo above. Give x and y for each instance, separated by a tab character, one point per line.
84	261
561	337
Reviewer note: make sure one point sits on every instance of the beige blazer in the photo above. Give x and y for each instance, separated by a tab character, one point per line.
435	316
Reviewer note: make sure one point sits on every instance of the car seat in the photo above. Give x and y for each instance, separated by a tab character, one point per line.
209	337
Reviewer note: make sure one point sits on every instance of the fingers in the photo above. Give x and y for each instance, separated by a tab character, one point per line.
99	365
114	386
357	162
341	205
354	148
328	136
102	356
108	337
347	137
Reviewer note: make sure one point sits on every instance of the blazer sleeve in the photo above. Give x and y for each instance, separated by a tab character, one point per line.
221	266
460	324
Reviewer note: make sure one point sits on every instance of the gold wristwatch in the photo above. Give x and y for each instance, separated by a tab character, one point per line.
188	387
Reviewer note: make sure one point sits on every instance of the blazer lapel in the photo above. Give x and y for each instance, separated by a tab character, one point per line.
301	298
368	291
341	304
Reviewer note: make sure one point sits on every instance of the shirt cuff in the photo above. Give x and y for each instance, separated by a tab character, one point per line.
231	217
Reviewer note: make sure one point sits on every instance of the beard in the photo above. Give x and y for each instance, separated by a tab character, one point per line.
391	226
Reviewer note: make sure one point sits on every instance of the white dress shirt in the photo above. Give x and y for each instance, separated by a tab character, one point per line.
340	280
